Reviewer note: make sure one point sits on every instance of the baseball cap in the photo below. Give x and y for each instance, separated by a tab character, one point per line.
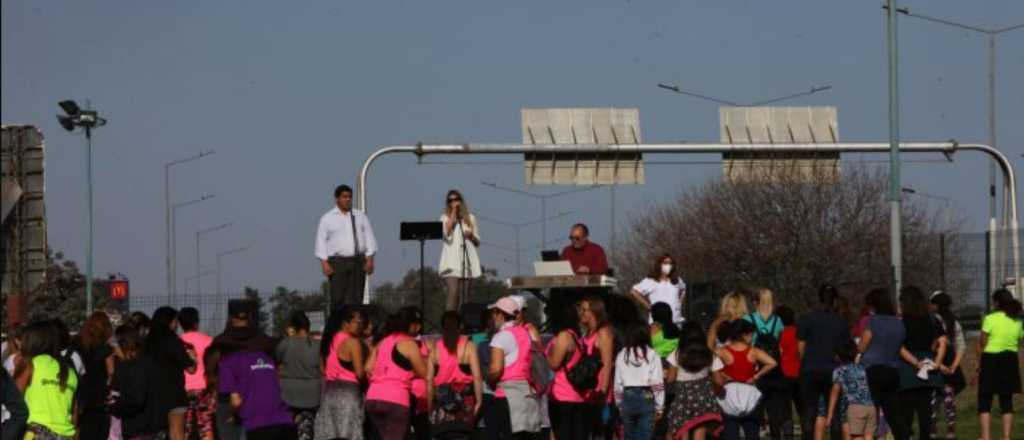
505	304
520	300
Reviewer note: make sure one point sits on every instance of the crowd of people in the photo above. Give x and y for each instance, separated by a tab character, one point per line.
603	371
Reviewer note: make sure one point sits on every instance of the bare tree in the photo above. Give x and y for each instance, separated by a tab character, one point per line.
789	232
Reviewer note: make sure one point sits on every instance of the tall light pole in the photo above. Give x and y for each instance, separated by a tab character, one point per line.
786	97
895	219
543	202
168	244
87	119
224	254
991	33
517	226
199	233
174	239
196	277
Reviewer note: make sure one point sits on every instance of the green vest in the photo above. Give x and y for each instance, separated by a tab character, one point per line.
48	405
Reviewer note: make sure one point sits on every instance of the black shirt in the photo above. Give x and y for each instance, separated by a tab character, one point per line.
921	332
822	332
138	404
92	386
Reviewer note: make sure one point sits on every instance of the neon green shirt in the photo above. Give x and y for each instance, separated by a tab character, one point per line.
662	346
1004	333
48	405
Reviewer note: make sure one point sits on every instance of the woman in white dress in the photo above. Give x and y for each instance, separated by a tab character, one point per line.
460	261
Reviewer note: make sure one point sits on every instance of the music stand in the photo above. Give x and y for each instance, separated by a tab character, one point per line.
421	232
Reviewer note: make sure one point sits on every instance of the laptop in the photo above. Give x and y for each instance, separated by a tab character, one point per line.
550	256
552	268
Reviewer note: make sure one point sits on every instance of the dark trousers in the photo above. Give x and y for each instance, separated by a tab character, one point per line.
501	428
390	420
777	403
227	429
750	425
985	402
94	423
815	388
884	384
569	420
276	432
347	281
917	401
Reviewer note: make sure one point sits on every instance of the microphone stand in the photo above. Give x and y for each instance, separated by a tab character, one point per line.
463	284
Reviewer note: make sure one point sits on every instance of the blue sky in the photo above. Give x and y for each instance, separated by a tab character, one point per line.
293	96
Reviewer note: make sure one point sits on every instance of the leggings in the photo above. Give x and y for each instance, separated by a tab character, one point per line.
985	402
391	420
570	420
944	401
917	401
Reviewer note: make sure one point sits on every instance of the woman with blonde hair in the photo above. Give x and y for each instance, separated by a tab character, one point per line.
733	307
460	261
767	333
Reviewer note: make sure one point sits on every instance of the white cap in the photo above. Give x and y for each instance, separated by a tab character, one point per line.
520	300
505	304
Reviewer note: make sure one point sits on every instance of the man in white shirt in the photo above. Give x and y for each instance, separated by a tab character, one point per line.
345	246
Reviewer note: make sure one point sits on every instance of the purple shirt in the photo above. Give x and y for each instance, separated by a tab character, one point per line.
253	375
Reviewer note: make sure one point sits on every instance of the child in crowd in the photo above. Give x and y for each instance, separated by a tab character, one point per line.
851	380
639	384
694	411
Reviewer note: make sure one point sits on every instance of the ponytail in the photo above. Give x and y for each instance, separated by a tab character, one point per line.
451	328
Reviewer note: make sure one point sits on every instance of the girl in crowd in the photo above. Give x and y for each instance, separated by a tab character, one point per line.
165	347
459	259
789	367
743	363
93	344
879	345
48	383
516	407
768	329
998	371
733	307
133	379
664	332
694	410
298	358
392	365
459	382
923	345
662	285
819	333
342	353
598	339
952	375
422	399
639	384
566	407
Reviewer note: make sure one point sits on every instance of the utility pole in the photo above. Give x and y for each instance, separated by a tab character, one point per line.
895	188
169	244
199	233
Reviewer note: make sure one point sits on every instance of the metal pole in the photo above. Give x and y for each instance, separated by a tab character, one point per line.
88	243
993	224
199	289
218	275
942	261
543	225
895	219
611	252
519	268
167	227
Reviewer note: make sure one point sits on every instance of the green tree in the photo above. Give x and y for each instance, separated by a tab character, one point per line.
284	302
62	295
391	296
262	317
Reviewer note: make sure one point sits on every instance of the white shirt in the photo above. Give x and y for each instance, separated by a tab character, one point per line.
334	235
686	376
634	371
666	292
506	341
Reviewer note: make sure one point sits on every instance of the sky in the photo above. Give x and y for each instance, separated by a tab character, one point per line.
293	97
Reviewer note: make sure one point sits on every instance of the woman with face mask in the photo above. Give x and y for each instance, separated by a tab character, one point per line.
662	285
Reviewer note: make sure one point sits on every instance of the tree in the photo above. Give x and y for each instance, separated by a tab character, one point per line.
790	233
62	295
284	302
390	296
262	317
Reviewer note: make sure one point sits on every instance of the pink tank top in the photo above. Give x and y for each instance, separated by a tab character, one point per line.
519	369
448	370
389	382
590	343
561	389
334	370
419	385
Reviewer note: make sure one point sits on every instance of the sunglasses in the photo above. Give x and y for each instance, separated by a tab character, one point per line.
454	199
576	238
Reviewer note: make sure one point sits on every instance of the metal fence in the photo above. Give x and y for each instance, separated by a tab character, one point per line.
974	265
213	308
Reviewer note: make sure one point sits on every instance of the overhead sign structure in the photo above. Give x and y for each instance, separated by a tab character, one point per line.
783	126
582	126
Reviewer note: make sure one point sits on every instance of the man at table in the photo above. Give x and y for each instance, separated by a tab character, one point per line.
585	257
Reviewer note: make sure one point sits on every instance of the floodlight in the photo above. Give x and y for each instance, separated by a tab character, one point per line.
70	107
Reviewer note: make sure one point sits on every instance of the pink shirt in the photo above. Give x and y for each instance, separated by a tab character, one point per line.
419	385
389	382
561	389
334	370
199	342
448	370
519	369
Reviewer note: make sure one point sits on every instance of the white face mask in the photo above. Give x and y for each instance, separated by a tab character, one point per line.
666	269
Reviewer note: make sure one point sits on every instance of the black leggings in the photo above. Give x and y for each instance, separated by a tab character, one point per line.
917	401
884	383
985	402
569	420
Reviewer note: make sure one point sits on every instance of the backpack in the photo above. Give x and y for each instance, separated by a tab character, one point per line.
540	372
583	375
768	343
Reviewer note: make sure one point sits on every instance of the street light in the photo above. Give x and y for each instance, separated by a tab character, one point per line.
223	254
169	250
517	226
992	33
813	90
87	119
543	201
199	233
174	239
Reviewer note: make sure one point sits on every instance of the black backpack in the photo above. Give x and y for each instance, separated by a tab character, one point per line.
583	375
768	343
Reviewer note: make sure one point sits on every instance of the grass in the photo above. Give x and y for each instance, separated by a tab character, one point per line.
967	425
